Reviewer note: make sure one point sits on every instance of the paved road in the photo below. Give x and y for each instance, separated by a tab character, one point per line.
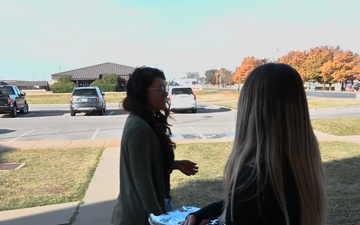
325	94
335	113
53	122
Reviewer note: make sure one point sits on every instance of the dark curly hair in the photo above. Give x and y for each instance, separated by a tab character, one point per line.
136	103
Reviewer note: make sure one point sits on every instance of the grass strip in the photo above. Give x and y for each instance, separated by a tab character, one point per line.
341	163
338	126
50	176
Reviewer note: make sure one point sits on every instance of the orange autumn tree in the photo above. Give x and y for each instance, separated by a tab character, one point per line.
357	67
297	60
343	67
328	68
327	71
324	64
247	65
315	59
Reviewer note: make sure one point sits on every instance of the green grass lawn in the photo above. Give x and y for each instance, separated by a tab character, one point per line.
338	126
62	175
49	176
341	162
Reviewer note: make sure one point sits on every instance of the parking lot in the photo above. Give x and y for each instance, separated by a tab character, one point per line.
54	122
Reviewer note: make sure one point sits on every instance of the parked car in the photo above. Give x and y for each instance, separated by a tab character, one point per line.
87	99
182	98
357	87
12	100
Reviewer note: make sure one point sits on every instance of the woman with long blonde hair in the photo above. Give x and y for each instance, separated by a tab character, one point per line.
274	174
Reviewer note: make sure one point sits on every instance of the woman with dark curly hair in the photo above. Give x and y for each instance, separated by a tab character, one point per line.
147	152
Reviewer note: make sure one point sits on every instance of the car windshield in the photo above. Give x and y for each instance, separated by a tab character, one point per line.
179	91
85	92
6	90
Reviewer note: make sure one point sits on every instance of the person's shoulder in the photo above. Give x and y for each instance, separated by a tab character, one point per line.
136	120
136	128
136	124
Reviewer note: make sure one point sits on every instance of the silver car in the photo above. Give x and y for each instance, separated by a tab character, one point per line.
87	99
182	99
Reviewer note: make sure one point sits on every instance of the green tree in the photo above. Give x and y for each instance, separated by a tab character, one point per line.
110	79
65	79
63	85
209	75
226	77
108	83
192	75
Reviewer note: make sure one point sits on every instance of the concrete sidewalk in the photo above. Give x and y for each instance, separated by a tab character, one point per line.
100	197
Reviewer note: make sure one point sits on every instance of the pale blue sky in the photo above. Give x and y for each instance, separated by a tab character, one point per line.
42	37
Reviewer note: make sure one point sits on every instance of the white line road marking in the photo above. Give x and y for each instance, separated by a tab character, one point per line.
95	134
14	139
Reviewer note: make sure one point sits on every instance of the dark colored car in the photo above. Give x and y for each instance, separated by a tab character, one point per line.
12	100
87	99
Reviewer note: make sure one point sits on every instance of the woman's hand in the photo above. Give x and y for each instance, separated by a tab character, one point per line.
186	167
191	220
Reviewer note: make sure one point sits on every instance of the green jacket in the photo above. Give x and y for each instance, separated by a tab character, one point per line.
141	175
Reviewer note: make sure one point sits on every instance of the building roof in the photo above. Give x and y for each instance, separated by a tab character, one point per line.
23	83
94	72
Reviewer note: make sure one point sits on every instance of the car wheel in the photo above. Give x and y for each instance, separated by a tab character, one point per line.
25	109
101	111
72	112
13	112
193	110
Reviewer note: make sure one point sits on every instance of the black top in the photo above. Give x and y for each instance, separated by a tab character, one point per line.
252	209
168	159
167	151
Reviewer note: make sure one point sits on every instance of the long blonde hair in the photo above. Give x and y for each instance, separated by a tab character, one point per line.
273	126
